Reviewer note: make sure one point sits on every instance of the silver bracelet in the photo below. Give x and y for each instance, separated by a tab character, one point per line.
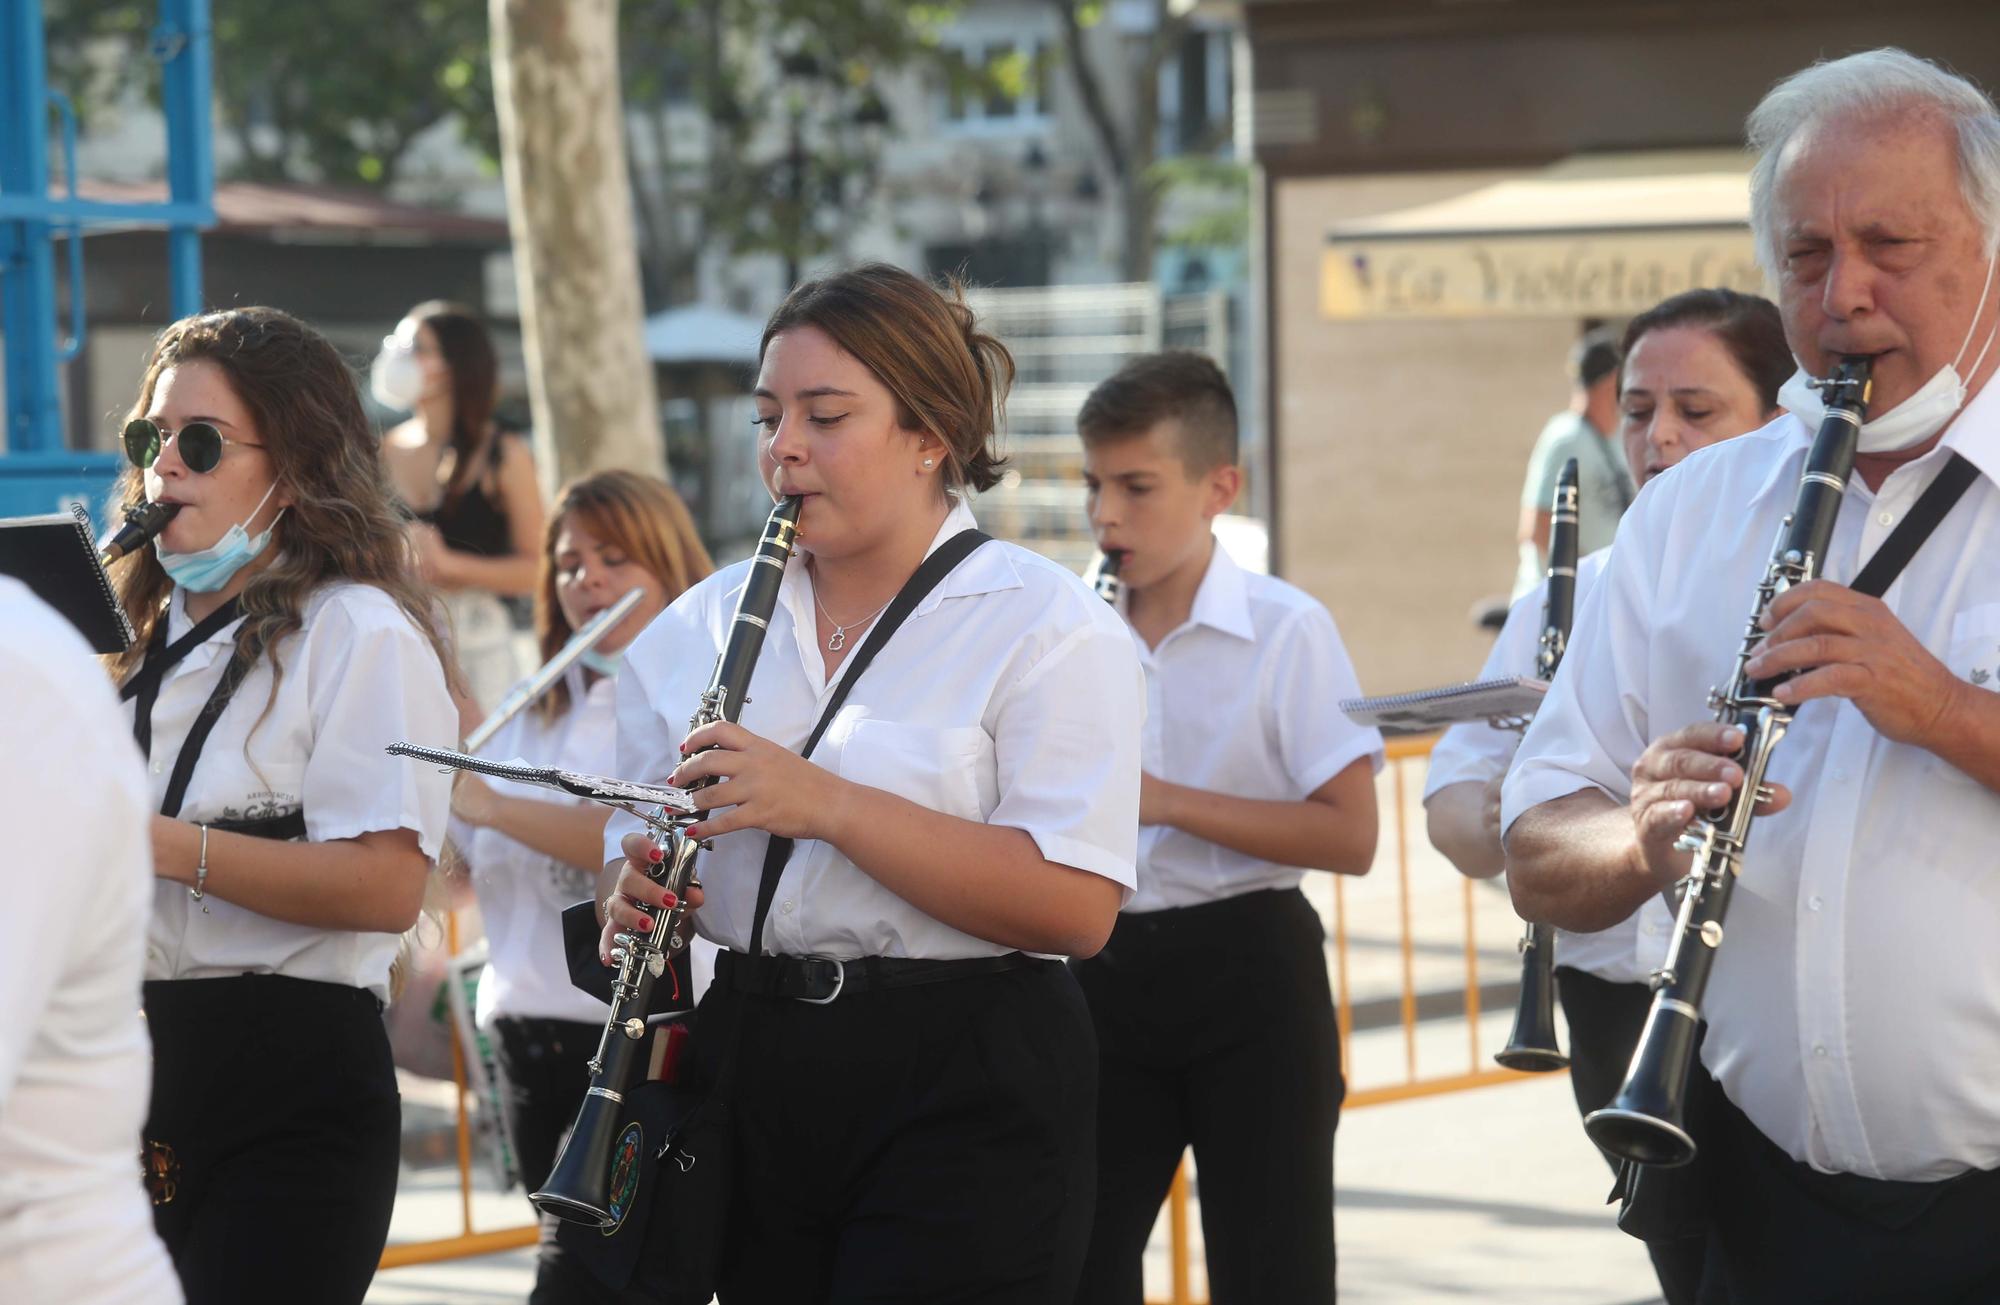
201	871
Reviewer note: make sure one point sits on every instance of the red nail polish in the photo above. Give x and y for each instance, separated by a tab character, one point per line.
645	921
655	854
684	748
671	902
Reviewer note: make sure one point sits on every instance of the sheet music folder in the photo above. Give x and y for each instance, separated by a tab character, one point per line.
1509	699
55	556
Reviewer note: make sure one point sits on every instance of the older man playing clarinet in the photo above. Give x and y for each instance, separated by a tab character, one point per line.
1853	1149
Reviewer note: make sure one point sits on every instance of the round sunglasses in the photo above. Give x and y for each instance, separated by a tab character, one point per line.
199	442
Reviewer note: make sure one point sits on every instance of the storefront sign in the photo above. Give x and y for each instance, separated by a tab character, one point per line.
1607	274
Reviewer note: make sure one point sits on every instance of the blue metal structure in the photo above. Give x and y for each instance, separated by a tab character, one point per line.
37	472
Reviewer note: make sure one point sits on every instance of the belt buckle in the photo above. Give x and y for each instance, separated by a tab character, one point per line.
839	981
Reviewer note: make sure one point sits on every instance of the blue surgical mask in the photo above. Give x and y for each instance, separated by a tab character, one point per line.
604	663
206	570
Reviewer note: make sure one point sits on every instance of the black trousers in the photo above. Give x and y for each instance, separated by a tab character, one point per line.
1781	1233
278	1100
1605	1020
544	1070
1216	1030
926	1144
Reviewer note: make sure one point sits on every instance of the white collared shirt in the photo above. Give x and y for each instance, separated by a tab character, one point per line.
1475	752
522	892
1010	696
1854	1010
1240	699
358	677
75	1061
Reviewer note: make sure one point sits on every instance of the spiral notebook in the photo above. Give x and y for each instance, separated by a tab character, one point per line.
1509	701
56	557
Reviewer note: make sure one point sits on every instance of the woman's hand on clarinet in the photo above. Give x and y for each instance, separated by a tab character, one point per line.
1683	773
630	906
764	786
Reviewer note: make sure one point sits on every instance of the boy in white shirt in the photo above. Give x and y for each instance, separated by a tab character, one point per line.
1214	1016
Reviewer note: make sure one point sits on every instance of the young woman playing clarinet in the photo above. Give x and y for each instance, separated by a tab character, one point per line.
914	1076
283	640
530	855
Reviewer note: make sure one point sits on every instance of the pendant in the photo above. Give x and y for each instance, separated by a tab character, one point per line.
837	640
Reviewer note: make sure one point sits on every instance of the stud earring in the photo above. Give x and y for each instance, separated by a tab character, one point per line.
929	463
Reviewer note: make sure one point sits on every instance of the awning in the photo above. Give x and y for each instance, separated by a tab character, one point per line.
1593	236
703	333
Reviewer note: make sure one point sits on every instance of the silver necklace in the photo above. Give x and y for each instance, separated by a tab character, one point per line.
838	639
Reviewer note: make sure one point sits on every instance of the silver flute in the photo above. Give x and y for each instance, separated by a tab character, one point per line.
530	690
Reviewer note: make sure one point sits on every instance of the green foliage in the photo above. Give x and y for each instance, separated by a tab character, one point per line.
337	93
332	93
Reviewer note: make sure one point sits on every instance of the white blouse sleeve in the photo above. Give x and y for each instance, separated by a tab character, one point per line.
1307	674
1066	750
1474	751
657	675
373	679
1594	722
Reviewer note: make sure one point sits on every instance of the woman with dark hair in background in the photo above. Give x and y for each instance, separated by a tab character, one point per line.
471	485
284	640
531	854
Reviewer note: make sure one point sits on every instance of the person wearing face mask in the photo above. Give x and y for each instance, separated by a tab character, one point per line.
1701	367
471	485
1854	1151
284	640
914	1073
531	856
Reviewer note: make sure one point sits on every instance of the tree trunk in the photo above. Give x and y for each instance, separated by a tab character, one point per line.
569	201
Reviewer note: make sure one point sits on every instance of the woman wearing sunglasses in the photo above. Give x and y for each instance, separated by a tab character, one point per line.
283	640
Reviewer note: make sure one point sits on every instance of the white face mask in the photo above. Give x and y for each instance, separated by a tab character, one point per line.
396	378
1916	418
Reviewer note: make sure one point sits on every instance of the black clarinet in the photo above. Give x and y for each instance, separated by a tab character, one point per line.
1105	579
578	1188
1532	1046
142	522
1645	1122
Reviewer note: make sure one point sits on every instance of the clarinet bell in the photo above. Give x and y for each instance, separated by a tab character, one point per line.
579	1185
1646	1122
1531	1046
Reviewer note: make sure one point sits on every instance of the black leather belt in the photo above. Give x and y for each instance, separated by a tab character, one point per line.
820	979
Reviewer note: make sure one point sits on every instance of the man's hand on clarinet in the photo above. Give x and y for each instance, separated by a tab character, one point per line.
630	905
1850	645
1691	770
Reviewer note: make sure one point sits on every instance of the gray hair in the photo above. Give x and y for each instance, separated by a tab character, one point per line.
1885	83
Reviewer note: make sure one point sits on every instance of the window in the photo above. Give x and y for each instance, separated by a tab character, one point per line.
1002	88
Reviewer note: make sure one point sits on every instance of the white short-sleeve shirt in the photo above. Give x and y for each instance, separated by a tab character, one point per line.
1854	1008
358	677
75	1061
1475	752
1241	699
522	892
1010	696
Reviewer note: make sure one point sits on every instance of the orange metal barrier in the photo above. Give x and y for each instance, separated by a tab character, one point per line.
467	1243
1478	1071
